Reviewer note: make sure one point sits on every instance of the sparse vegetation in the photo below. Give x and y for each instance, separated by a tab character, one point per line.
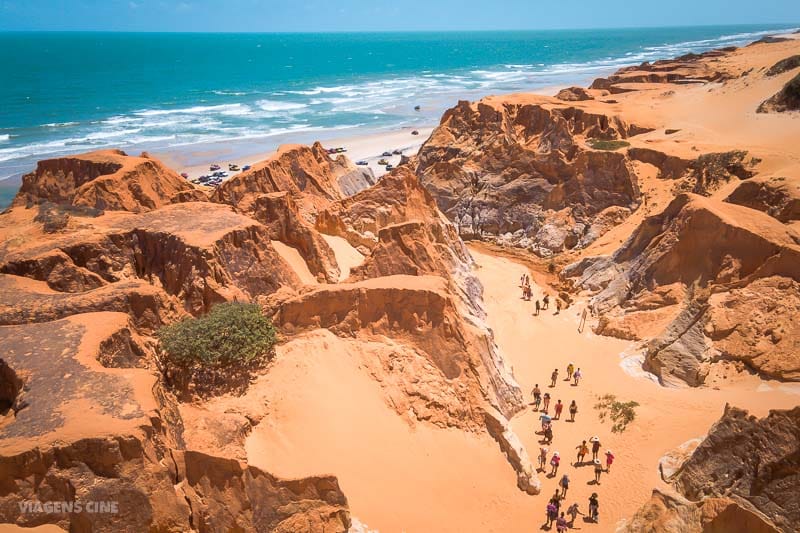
602	144
620	413
218	350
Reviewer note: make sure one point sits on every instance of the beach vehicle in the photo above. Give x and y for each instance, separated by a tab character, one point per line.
389	167
233	168
184	175
213	167
387	154
383	162
415	132
362	163
397	152
246	167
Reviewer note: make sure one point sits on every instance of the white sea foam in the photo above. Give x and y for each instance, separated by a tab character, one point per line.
195	110
380	102
59	124
273	105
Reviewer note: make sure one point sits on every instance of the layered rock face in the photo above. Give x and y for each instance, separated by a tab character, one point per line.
107	179
520	167
200	253
308	173
735	301
745	476
778	197
689	68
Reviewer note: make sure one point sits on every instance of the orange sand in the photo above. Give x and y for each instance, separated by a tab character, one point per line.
327	415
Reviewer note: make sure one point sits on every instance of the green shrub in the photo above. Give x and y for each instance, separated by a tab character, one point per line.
218	349
621	413
600	144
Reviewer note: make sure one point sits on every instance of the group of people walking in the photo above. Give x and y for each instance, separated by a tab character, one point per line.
558	517
527	294
564	520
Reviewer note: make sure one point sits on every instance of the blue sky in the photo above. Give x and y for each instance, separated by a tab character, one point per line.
381	15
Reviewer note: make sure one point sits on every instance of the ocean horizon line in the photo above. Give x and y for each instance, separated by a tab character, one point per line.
793	25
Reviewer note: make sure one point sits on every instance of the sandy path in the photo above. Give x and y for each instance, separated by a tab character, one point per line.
665	419
292	256
347	257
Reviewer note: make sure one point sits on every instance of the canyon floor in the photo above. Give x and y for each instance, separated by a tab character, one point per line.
328	415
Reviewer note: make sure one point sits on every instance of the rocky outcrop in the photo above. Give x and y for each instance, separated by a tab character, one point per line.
397	198
778	197
784	65
200	253
356	180
280	214
497	167
755	462
689	68
574	94
669	512
787	99
688	272
703	175
669	166
744	476
105	180
307	173
228	495
24	301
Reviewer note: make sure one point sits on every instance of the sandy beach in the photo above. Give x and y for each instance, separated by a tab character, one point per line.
367	148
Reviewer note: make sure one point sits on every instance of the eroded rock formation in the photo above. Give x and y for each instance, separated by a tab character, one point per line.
107	179
88	276
744	476
521	167
733	301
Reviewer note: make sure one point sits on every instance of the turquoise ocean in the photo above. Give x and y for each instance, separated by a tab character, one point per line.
65	93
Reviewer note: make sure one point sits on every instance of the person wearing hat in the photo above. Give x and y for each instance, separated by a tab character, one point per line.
598	469
609	460
554	462
595	447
